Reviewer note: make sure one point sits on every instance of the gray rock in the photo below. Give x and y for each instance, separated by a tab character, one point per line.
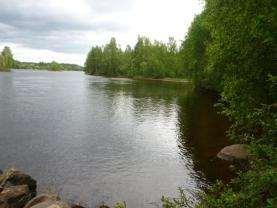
14	177
76	206
41	198
51	204
234	152
46	201
15	196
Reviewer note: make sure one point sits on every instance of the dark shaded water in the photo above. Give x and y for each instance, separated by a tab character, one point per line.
94	139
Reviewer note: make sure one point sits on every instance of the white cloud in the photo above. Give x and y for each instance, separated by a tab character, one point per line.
64	30
160	19
41	55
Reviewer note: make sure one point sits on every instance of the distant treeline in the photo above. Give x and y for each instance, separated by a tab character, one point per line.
7	62
147	59
52	66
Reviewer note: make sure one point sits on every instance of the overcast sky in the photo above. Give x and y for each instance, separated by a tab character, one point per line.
64	30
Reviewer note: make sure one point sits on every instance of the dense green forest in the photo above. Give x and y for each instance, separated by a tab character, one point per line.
7	62
146	59
230	48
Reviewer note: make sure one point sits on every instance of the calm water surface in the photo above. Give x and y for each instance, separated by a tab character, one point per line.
94	139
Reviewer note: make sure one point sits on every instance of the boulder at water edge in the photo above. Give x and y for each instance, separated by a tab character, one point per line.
16	189
234	152
15	196
46	201
14	177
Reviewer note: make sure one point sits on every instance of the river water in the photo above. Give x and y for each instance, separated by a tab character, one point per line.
93	139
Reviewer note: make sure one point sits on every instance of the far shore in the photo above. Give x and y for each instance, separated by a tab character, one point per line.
120	78
163	79
150	79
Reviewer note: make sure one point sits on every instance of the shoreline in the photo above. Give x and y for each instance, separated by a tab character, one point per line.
119	78
122	78
173	80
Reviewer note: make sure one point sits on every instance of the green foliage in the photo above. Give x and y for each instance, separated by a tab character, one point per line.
193	50
94	61
146	59
54	66
6	59
273	87
250	189
241	53
120	205
1	62
111	61
230	48
181	202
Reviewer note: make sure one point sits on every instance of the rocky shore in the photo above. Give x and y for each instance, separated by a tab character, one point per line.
19	190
